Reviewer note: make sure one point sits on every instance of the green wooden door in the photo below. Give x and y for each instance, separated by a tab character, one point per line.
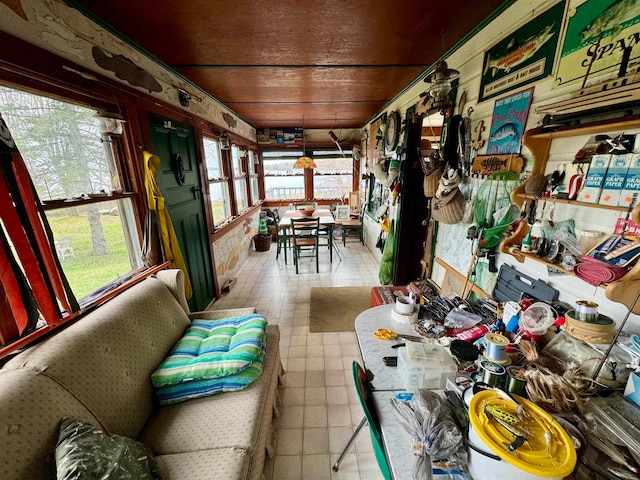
180	186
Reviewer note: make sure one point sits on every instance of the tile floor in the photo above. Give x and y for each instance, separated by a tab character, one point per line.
320	409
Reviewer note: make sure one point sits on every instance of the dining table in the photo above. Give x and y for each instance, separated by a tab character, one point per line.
325	217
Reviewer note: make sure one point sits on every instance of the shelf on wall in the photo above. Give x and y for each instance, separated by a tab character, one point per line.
538	140
516	251
575	203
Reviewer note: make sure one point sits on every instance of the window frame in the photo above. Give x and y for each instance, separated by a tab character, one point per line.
240	176
129	175
114	154
254	177
222	180
282	154
329	153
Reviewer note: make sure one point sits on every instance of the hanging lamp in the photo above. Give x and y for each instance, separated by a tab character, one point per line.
304	161
440	80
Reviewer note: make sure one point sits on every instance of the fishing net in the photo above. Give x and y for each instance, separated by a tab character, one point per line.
494	211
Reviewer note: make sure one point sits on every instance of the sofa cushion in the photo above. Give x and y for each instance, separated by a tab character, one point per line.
203	388
227	420
215	464
84	451
213	349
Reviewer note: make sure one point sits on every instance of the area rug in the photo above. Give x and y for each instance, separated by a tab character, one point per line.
334	309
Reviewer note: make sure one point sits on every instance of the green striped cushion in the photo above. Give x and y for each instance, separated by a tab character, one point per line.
213	349
203	388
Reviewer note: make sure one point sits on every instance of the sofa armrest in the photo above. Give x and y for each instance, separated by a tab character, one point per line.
218	314
173	279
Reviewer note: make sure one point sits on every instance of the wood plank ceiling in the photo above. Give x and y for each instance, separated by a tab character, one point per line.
335	63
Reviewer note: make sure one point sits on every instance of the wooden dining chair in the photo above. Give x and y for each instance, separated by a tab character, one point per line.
305	239
283	239
354	227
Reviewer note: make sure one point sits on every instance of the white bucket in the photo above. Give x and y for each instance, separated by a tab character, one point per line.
481	467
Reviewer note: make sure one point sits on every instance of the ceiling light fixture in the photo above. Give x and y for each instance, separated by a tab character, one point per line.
440	80
304	161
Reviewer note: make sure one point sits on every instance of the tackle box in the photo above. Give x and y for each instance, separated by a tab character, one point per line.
425	366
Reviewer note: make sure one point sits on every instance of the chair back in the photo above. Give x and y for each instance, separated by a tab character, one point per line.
363	389
305	231
354	201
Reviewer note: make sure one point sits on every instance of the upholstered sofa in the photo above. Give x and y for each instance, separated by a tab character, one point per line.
98	370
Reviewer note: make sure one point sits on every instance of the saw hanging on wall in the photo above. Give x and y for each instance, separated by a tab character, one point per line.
488	164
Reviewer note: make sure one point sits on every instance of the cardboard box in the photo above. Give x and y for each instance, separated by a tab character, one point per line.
631	184
614	179
592	187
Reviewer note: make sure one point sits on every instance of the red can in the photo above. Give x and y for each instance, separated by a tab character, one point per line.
473	333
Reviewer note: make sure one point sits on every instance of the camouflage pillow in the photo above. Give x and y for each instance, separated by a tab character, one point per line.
86	452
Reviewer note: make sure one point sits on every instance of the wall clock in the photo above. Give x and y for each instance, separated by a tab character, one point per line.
392	132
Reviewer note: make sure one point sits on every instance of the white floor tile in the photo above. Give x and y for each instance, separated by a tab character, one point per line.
339	415
287	467
316	467
315	416
294	379
318	410
334	378
289	441
315	396
316	440
348	469
292	417
315	379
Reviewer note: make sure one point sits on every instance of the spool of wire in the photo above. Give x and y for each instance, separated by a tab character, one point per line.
492	373
496	346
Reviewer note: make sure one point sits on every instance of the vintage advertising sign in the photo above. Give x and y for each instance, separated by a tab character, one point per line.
508	121
524	56
598	33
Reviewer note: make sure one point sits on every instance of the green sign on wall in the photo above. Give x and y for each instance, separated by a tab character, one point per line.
523	57
598	33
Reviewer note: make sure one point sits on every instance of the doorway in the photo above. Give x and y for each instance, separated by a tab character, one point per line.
179	178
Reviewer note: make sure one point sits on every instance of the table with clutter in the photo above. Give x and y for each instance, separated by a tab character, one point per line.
481	389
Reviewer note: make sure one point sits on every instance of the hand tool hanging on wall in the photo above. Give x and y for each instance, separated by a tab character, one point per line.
465	149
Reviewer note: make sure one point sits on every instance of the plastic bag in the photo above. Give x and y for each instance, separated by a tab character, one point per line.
461	319
434	434
385	274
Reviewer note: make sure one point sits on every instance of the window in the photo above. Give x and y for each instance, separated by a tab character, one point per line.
333	177
239	179
76	172
253	174
218	181
281	181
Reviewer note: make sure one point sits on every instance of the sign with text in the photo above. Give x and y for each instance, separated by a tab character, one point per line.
597	35
507	123
524	56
